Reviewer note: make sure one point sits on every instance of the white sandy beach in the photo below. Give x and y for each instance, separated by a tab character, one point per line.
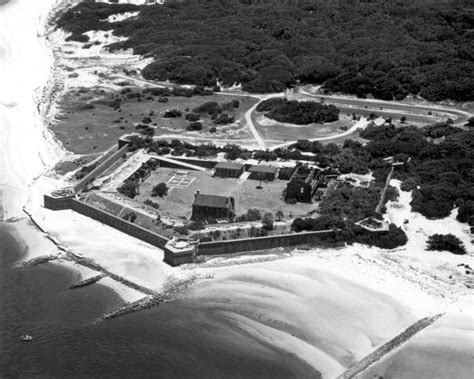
443	350
327	315
329	307
26	147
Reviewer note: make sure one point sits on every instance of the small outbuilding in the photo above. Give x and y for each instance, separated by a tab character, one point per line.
259	172
229	170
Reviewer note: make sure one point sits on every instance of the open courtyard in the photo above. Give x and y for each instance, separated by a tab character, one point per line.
183	185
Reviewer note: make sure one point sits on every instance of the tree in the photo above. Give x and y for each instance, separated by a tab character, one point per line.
403	119
279	215
130	216
267	221
197	125
129	188
251	215
270	45
447	242
159	190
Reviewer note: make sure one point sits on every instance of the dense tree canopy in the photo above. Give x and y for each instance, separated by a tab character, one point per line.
387	49
298	112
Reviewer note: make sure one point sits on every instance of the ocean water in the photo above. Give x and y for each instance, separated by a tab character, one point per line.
174	340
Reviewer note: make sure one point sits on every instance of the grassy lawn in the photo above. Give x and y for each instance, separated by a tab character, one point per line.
87	123
272	130
179	201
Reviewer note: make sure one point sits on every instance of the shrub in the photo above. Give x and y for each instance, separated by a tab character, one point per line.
83	171
224	119
129	188
194	126
152	203
181	230
192	117
447	242
466	212
320	223
173	113
78	38
196	225
211	107
130	216
253	215
267	221
409	184
395	237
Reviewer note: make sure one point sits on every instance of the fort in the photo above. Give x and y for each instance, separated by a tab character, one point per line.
191	206
100	195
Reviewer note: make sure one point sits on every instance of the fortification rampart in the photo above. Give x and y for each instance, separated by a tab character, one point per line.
118	223
197	162
57	203
264	243
101	167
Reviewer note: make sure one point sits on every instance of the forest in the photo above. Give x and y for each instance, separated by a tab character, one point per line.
380	48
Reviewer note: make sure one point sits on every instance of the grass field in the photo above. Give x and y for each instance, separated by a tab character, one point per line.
179	200
87	124
275	131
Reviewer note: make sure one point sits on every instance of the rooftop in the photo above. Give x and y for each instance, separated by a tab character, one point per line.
229	166
212	201
263	169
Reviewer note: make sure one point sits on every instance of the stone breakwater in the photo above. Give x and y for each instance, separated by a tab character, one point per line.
386	348
84	283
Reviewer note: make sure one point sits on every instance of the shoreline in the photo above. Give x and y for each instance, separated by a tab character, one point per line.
374	270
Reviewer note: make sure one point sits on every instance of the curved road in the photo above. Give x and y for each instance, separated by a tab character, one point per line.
391	108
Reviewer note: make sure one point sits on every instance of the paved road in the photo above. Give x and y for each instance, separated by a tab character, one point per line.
393	109
249	121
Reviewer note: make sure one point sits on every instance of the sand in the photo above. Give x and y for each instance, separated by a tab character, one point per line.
329	308
26	147
443	350
327	314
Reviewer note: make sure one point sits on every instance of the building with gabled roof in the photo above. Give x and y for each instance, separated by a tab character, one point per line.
207	207
229	169
261	172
